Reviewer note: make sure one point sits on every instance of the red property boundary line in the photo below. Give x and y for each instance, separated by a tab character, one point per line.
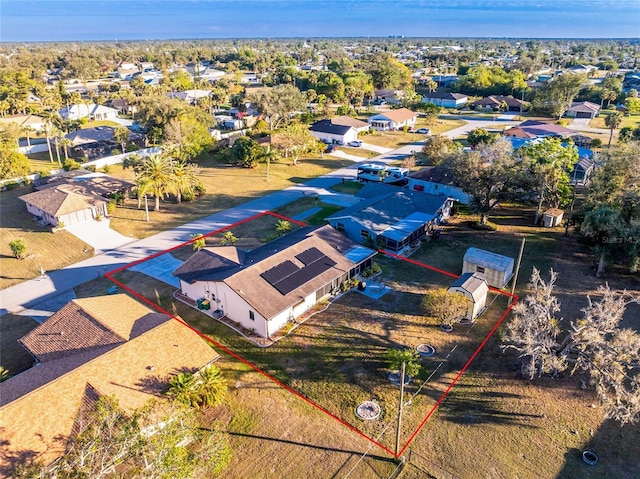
109	275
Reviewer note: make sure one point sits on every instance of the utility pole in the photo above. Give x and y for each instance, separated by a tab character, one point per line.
515	276
400	408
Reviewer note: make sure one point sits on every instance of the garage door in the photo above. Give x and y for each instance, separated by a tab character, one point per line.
583	114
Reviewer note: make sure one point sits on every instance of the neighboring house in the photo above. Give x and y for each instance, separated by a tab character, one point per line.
497	102
496	269
263	289
190	96
340	130
392	218
584	69
74	200
577	139
123	106
390	96
92	111
90	135
100	346
474	287
583	109
32	122
445	81
446	99
539	129
436	181
211	74
393	119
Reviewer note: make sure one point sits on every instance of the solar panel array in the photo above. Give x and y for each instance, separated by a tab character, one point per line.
287	277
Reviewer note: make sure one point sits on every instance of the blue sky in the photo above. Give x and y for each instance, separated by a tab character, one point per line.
68	20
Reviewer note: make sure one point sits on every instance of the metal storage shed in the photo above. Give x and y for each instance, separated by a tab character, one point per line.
496	268
474	287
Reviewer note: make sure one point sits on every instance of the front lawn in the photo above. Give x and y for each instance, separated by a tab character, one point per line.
13	357
45	249
226	187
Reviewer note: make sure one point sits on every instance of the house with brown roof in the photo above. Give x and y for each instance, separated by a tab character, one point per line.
497	102
33	122
583	109
263	289
393	119
74	199
539	129
92	347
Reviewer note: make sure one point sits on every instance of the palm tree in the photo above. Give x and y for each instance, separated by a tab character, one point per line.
205	388
282	227
65	143
182	389
184	178
155	177
613	121
210	386
228	238
121	135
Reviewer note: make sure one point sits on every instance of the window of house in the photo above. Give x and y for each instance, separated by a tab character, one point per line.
418	187
364	233
340	227
479	269
252	316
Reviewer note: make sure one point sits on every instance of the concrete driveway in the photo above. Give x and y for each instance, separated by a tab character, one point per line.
99	235
376	148
582	124
346	156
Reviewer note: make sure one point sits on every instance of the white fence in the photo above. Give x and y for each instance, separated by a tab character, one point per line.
99	163
38	148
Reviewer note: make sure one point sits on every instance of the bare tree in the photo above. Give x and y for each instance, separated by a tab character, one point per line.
534	328
595	344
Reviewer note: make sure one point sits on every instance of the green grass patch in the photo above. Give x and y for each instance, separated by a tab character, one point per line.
13	357
348	187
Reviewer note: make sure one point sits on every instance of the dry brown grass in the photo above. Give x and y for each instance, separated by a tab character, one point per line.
226	187
45	249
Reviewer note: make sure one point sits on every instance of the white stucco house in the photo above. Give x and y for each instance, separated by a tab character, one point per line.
340	130
474	287
91	110
263	289
393	119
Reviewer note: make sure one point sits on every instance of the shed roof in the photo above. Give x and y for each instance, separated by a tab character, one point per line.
488	259
472	283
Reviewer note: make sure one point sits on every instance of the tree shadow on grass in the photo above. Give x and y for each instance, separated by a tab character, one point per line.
475	407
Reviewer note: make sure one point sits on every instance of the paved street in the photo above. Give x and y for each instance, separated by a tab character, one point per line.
34	293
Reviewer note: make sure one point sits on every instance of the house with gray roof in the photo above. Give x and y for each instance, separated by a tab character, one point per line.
394	219
263	289
446	99
340	130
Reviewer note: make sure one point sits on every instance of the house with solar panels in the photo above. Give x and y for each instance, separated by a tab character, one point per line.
262	289
392	218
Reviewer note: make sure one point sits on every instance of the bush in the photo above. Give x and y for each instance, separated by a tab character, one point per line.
71	165
18	247
562	122
111	207
395	358
90	167
596	143
106	168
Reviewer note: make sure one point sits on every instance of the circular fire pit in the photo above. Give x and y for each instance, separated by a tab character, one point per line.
590	458
425	350
368	410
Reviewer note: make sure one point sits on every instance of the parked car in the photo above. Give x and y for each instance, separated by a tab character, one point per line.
355	143
331	148
424	131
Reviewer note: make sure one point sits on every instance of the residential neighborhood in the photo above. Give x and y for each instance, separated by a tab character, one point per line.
351	257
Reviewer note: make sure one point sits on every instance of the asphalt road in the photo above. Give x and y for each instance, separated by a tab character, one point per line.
39	291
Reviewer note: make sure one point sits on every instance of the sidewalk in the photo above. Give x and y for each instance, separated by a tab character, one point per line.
29	294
